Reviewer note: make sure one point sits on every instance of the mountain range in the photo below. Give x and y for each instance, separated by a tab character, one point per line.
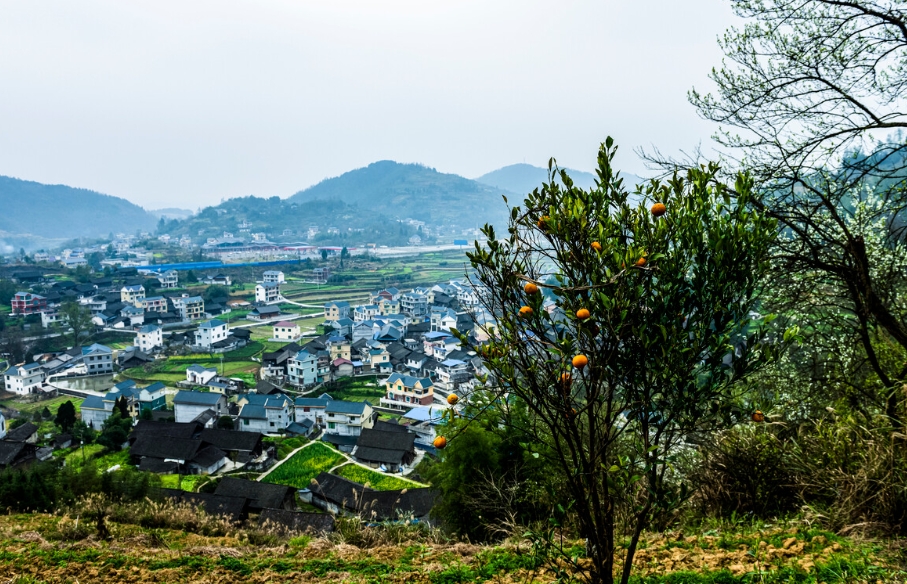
36	215
382	203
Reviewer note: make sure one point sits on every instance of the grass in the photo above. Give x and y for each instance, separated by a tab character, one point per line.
356	389
184	482
30	408
374	479
299	470
45	548
86	453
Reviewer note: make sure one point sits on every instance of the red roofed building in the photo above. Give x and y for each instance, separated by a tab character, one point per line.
286	331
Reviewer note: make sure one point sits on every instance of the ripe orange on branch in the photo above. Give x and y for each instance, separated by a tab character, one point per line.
530	288
440	442
543	220
566	379
526	311
758	416
452	399
583	313
596	246
580	361
658	209
640	262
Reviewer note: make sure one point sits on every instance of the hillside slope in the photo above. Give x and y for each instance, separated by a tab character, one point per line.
523	178
59	211
412	191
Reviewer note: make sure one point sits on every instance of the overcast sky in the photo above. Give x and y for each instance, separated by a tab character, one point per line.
184	103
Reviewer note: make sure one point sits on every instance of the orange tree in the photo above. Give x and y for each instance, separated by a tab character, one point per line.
624	330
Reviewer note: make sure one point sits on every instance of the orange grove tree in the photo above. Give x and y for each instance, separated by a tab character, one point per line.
645	322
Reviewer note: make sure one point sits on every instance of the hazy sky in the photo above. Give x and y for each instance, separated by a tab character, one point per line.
185	103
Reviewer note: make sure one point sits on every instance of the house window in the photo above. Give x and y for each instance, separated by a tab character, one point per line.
272	424
332	425
305	409
245	422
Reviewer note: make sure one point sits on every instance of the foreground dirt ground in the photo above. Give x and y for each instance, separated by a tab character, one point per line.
46	548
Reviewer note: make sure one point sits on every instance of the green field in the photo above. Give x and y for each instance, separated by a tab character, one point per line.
374	479
299	470
235	364
30	408
182	482
355	389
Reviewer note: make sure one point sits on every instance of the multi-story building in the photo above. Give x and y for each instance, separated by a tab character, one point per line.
302	369
188	405
276	409
132	295
334	311
211	332
348	418
24	379
191	308
312	408
286	331
154	304
28	303
273	277
98	359
267	292
414	305
365	312
149	338
405	392
168	279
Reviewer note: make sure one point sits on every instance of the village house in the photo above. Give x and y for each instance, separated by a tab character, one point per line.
190	308
348	418
211	332
154	304
334	311
98	359
312	409
149	338
264	313
273	277
27	303
286	331
199	375
134	295
389	448
406	392
302	369
267	292
188	405
24	379
168	279
264	413
219	279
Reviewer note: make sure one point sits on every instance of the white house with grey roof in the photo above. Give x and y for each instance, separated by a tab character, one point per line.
24	379
275	410
98	359
267	292
302	369
312	409
348	418
149	338
273	277
211	332
188	405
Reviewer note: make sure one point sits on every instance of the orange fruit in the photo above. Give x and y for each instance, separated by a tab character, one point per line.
566	379
658	209
530	288
758	416
571	414
440	442
543	220
583	313
596	246
580	361
452	399
640	262
526	311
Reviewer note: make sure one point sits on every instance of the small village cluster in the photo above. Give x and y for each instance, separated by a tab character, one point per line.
210	423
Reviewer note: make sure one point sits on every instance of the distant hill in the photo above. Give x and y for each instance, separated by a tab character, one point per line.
172	213
62	212
412	191
523	178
